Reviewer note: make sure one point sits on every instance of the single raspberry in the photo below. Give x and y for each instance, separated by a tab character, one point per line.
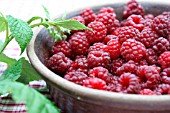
112	83
163	89
128	83
149	16
98	34
88	15
76	77
135	21
148	36
128	32
132	50
127	67
147	92
133	7
96	47
161	24
164	59
79	43
95	83
109	37
113	48
151	56
161	45
98	58
79	18
166	75
80	64
99	72
114	26
116	64
59	63
106	10
62	46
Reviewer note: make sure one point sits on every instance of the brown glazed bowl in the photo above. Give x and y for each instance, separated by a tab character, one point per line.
73	98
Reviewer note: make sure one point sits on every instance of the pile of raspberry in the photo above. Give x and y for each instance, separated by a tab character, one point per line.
131	56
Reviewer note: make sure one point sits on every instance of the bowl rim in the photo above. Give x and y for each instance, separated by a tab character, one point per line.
83	93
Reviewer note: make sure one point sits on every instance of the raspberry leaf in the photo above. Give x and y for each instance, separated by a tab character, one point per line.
1	43
35	102
7	60
2	24
21	31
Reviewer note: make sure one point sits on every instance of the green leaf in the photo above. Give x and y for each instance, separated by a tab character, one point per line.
35	18
1	43
2	24
72	25
35	102
21	31
46	12
12	73
28	72
7	60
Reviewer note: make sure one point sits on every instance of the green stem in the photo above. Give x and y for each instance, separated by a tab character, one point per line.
7	40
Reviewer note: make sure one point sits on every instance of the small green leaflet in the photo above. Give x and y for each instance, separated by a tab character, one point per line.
1	43
35	102
35	18
7	60
2	24
21	31
46	12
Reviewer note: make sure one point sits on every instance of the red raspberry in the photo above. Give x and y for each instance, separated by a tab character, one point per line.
163	89
164	59
88	15
59	63
133	7
99	72
148	36
98	58
161	45
95	83
135	21
76	77
161	24
113	48
116	64
149	16
96	47
166	75
128	83
133	50
62	46
80	64
127	67
147	92
109	37
79	43
114	26
98	34
106	10
151	56
112	83
79	18
128	32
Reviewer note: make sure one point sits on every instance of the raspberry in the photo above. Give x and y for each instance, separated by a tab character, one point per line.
161	24
62	46
114	26
136	21
95	83
163	89
113	48
76	77
147	92
133	50
133	7
166	75
116	64
151	56
98	58
128	83
59	63
109	37
149	16
79	43
161	45
98	34
148	36
127	67
128	32
79	18
99	72
88	15
106	10
164	59
112	83
96	47
80	64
